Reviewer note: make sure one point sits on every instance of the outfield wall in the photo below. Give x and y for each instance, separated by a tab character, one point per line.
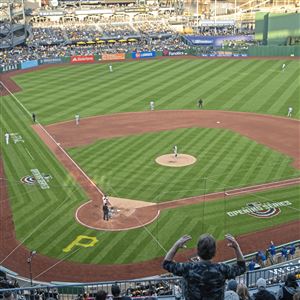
196	51
274	51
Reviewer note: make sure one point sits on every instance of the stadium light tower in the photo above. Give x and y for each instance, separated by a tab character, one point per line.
29	261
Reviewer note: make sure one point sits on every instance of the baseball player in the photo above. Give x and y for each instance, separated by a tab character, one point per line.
175	151
33	117
283	67
110	68
200	103
105	199
6	136
290	109
77	119
105	209
151	105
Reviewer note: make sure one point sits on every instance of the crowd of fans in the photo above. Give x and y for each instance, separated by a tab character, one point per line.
224	30
24	53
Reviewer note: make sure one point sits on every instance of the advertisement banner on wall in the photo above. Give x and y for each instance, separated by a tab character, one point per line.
82	59
113	56
10	67
145	54
29	64
53	60
174	52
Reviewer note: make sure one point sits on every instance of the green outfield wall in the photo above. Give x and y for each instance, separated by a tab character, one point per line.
274	51
274	29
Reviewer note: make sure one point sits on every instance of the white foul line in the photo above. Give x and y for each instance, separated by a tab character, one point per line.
50	136
29	153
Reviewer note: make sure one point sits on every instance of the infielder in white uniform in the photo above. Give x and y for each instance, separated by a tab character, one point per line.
175	151
290	109
151	105
6	135
110	68
77	119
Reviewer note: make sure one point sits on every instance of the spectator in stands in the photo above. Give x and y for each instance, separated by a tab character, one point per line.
292	251
263	293
262	258
231	294
272	251
243	292
101	295
289	289
8	295
177	291
251	265
204	279
116	292
284	253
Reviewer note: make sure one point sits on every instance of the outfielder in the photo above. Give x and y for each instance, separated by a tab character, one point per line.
77	119
175	151
283	67
151	105
6	135
110	68
290	109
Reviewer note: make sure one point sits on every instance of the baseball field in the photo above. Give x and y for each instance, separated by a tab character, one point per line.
53	172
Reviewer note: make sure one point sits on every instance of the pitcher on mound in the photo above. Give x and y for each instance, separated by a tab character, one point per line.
175	151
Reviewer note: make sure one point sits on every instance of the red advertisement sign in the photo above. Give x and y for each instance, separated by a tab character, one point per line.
82	59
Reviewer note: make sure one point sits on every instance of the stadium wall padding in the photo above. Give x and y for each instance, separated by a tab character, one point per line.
274	51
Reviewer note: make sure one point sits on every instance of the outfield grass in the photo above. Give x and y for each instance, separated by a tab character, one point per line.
44	219
57	94
125	167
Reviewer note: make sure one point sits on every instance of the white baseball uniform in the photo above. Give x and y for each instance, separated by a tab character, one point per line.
77	118
290	109
175	151
6	135
151	105
110	68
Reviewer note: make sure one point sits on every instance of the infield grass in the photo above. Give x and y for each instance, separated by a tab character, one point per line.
126	168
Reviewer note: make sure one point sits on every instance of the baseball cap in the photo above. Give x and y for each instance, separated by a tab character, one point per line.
261	283
232	285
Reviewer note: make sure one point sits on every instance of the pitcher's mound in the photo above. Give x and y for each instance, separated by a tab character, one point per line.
181	160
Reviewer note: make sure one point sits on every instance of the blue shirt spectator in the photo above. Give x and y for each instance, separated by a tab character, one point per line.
251	265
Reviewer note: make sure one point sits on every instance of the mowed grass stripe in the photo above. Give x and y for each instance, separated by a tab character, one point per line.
65	94
192	83
154	84
251	90
185	143
95	89
277	91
